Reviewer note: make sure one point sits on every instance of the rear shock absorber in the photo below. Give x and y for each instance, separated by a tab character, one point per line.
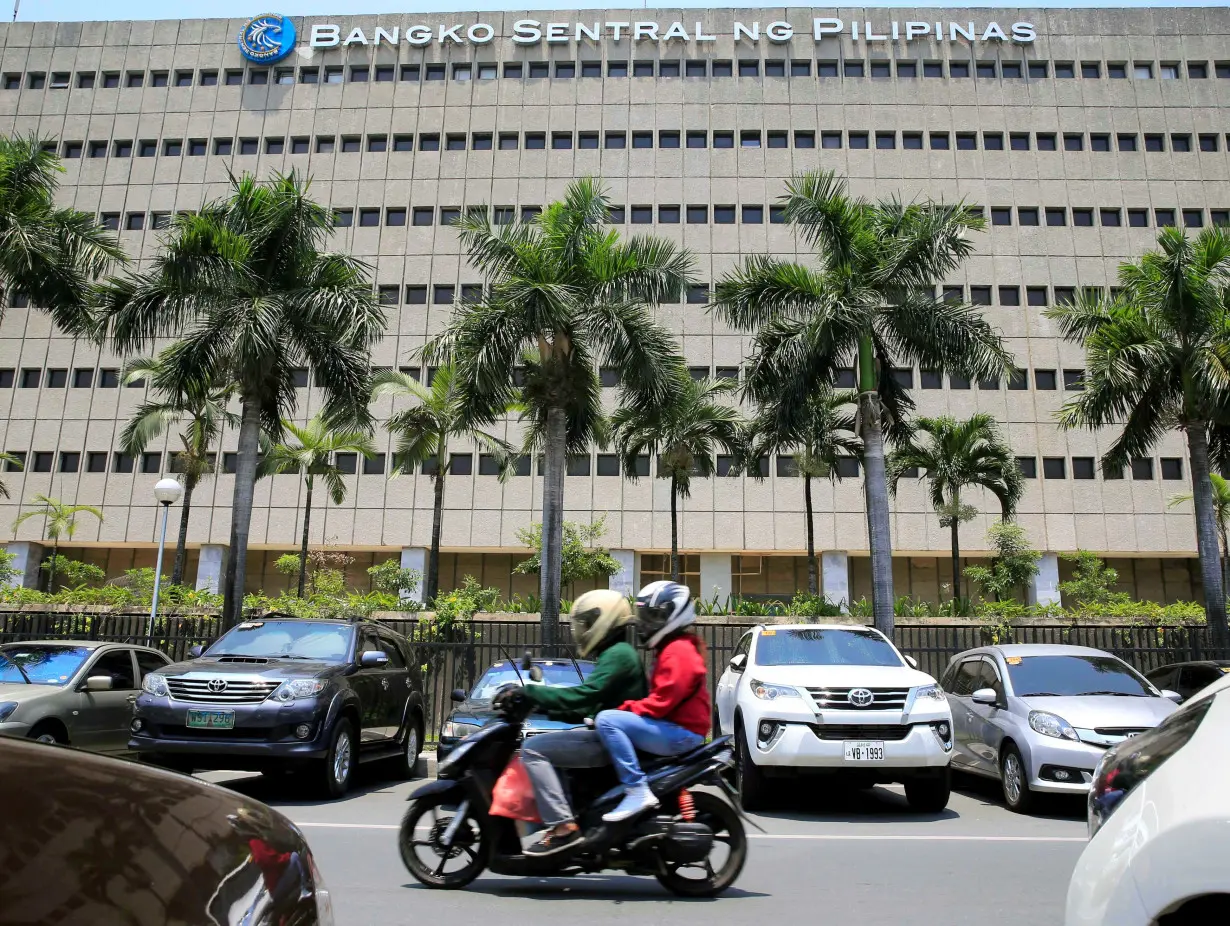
687	806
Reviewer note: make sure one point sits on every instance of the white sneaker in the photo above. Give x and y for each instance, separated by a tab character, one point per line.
636	801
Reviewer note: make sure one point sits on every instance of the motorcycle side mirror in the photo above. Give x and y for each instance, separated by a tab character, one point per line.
535	673
458	695
527	661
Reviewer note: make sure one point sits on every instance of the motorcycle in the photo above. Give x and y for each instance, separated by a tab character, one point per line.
693	842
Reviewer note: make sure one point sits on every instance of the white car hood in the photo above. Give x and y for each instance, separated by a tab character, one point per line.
1093	711
841	676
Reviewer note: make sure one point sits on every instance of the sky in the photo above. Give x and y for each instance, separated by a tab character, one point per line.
67	10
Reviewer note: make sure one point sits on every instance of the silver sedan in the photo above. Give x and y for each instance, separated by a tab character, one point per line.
1038	717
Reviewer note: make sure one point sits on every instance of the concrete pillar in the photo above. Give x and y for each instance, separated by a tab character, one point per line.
835	577
414	558
26	559
715	581
211	567
1044	589
628	580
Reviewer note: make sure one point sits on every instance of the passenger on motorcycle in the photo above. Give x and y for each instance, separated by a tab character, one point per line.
599	628
676	715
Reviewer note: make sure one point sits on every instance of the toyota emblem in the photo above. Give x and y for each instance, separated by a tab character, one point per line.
861	697
217	685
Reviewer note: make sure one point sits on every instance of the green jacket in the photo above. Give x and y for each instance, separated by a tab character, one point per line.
618	676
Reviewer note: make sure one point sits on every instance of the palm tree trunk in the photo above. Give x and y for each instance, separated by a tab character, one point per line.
241	512
432	586
51	573
551	563
813	579
303	544
1225	559
1206	534
181	544
875	487
674	532
956	561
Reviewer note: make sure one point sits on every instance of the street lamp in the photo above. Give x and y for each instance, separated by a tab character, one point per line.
168	492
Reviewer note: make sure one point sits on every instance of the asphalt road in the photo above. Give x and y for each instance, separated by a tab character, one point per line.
856	858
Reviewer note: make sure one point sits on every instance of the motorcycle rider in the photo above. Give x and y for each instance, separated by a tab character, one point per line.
599	628
676	715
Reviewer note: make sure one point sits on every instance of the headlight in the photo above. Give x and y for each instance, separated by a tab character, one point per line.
1132	761
767	692
459	730
1049	724
6	709
156	684
294	688
930	693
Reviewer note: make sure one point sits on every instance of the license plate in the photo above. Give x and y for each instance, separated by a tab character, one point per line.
863	751
212	720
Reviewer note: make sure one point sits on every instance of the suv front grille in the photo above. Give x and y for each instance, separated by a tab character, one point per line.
888	732
236	690
838	699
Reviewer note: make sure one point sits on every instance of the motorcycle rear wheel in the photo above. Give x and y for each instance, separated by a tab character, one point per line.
422	829
701	879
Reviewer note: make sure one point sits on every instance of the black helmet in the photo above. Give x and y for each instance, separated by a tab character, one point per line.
661	609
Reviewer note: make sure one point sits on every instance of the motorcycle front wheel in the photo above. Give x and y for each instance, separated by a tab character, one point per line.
421	842
721	867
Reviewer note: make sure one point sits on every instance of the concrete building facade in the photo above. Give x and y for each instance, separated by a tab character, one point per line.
1079	132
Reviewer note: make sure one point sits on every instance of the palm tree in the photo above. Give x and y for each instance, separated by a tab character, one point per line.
870	302
14	462
247	287
313	452
684	431
565	288
818	432
953	456
50	253
203	410
1157	357
423	433
1221	510
61	522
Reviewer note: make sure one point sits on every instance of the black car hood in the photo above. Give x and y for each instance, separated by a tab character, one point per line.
264	668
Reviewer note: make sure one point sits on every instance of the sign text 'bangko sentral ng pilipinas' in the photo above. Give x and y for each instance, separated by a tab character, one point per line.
533	32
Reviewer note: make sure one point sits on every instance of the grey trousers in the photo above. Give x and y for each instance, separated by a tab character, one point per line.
566	749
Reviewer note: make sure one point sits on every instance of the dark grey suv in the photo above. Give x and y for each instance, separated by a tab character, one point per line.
285	694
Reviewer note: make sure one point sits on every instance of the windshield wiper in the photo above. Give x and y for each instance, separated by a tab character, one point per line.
293	656
17	665
1117	694
1044	694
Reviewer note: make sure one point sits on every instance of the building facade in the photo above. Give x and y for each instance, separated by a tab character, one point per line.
1079	132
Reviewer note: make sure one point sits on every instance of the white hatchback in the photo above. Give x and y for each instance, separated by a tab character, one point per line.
838	700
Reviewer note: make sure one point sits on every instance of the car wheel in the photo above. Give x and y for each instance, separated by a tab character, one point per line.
412	745
338	767
1014	780
50	733
749	779
930	793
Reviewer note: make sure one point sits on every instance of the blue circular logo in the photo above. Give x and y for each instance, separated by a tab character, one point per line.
266	38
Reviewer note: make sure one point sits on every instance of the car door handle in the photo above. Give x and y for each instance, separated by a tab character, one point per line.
384	683
131	699
969	715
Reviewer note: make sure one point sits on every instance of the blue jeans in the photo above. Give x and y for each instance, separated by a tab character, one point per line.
624	732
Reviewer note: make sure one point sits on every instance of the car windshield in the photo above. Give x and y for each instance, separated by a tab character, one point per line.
554	675
1073	677
322	640
824	647
41	665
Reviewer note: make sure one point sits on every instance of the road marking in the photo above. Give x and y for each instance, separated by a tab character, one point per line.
831	837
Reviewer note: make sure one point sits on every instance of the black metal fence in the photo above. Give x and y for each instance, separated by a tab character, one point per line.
455	657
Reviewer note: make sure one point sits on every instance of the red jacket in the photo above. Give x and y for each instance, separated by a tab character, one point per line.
679	689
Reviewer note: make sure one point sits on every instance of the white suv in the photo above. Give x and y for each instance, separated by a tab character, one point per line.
838	700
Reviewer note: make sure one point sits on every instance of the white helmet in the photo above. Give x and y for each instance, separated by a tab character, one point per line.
662	608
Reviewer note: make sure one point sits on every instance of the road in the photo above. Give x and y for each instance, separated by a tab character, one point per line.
859	858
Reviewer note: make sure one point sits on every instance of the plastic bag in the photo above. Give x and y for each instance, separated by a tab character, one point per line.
513	795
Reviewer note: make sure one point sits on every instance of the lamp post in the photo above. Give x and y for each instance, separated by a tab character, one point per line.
168	492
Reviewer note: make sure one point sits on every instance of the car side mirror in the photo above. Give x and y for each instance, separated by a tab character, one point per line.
985	696
912	661
195	651
374	659
458	695
738	663
1172	696
98	683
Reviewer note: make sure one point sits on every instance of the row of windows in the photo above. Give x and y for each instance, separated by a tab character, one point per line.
607	464
832	139
534	70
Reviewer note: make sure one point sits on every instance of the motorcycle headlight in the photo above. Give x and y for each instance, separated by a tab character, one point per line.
6	709
767	692
458	730
1049	724
930	693
155	683
295	688
1129	763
